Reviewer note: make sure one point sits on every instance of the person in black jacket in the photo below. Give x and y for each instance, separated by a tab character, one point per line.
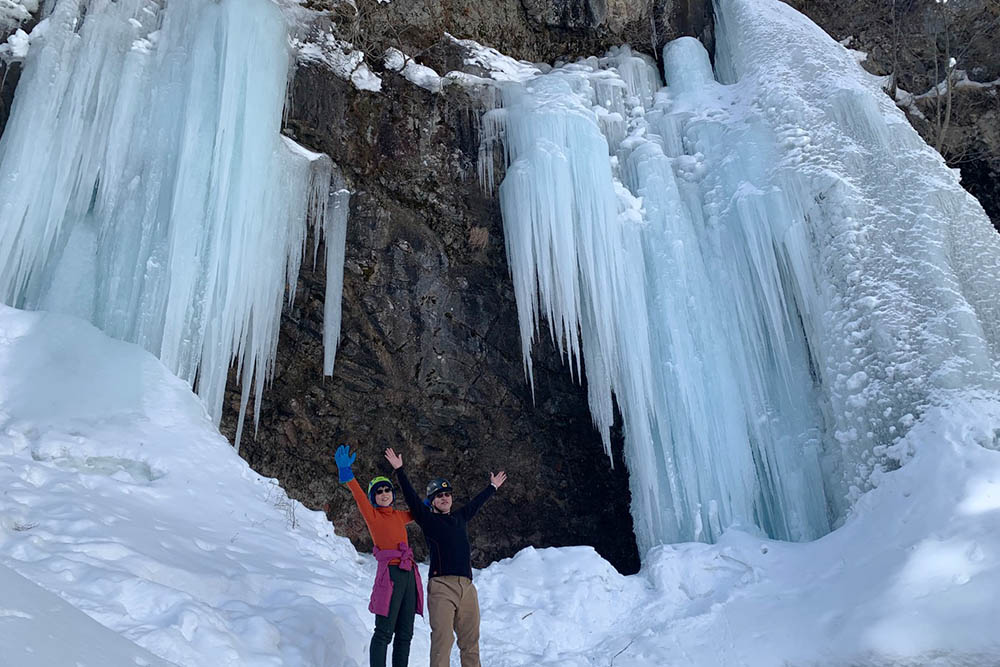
452	600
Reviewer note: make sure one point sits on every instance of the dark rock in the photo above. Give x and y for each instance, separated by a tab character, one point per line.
9	75
533	30
567	14
429	361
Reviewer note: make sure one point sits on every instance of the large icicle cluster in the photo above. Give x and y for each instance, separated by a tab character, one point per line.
145	186
773	277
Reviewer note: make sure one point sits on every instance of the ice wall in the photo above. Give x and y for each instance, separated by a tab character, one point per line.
144	184
773	275
895	266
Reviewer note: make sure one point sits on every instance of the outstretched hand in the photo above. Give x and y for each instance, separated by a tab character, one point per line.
344	457
498	479
394	459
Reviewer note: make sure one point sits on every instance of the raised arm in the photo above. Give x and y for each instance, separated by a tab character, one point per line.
469	510
361	500
417	507
345	459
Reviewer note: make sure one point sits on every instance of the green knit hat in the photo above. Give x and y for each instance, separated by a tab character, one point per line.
379	481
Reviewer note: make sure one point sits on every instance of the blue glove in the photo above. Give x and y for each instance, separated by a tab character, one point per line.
344	459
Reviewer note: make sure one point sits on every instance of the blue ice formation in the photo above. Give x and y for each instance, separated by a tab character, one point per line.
765	265
145	185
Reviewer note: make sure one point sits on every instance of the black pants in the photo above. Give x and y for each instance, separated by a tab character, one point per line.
399	622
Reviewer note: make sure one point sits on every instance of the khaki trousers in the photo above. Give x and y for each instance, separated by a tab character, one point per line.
453	607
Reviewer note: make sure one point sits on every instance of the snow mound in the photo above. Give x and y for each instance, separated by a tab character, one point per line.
31	619
121	497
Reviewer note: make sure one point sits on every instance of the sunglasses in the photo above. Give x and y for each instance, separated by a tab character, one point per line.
383	489
443	494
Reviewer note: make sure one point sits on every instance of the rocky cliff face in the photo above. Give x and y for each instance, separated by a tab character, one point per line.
429	359
430	356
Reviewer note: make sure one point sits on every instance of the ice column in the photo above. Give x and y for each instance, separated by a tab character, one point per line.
773	277
144	184
623	256
896	268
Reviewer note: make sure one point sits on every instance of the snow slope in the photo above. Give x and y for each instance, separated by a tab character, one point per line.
120	496
39	629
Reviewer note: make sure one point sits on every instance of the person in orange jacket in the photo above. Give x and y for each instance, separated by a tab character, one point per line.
397	594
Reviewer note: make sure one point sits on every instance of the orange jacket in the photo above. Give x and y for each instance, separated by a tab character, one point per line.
386	525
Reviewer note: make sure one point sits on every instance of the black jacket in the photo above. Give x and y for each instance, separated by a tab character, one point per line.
446	536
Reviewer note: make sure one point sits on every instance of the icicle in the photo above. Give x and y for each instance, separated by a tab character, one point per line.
770	298
144	183
336	236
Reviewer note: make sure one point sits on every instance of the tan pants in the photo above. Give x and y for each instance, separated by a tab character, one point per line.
453	607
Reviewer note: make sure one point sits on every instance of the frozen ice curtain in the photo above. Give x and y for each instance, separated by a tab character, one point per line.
145	186
764	264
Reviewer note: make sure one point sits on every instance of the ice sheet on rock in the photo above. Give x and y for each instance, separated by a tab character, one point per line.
146	187
746	268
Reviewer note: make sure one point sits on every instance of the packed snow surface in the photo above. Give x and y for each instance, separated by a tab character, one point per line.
421	75
768	269
49	631
121	497
340	57
144	184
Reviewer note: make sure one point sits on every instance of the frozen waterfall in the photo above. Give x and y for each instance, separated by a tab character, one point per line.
144	184
768	269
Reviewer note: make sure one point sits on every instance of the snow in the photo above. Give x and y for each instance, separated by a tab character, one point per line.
959	81
122	499
499	66
15	12
39	629
145	185
16	47
421	75
907	101
764	265
364	79
340	57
